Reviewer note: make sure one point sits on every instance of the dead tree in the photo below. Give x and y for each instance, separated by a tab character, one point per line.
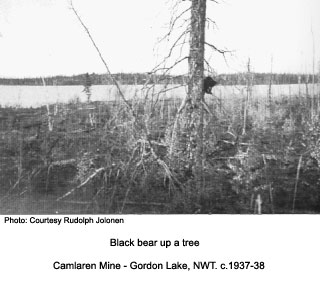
194	111
187	137
188	128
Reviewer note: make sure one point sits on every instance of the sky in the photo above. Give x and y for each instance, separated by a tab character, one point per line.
44	38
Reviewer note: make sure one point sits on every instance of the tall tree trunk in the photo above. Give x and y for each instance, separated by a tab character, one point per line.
194	105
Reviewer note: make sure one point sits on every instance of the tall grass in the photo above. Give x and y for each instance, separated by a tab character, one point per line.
109	165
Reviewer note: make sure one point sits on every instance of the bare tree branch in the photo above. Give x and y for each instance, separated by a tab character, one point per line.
209	67
101	57
221	51
172	66
93	175
174	45
173	23
217	49
209	20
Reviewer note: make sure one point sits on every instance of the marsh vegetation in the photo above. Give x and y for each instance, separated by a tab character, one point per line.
261	152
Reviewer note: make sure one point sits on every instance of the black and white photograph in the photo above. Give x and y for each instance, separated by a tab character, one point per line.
159	143
159	107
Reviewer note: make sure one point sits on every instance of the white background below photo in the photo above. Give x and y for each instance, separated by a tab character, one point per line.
288	247
62	149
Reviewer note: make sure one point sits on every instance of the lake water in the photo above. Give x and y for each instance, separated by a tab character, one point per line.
35	96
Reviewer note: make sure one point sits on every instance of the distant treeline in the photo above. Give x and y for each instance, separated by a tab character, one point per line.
141	78
264	78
